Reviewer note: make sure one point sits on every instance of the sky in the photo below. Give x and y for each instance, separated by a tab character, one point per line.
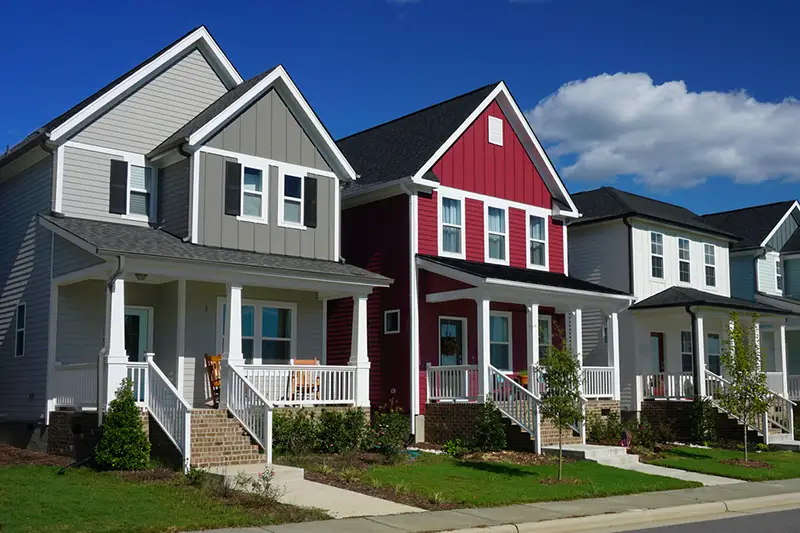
691	102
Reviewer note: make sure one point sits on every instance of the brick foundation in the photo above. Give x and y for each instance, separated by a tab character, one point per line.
602	407
75	433
678	415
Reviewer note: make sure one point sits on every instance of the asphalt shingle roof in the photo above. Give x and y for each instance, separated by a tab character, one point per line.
683	296
111	238
521	275
608	203
752	224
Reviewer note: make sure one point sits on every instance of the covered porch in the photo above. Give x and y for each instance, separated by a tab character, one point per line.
792	338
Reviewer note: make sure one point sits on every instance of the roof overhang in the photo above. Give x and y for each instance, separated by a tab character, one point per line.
794	206
649	218
789	304
765	310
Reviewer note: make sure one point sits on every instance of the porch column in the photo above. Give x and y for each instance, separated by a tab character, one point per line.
575	334
700	357
612	329
533	343
116	359
232	350
52	338
483	350
359	355
757	341
782	358
180	341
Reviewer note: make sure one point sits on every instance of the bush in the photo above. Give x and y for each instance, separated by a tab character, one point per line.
455	448
340	431
647	436
490	430
606	431
704	416
294	431
389	431
123	444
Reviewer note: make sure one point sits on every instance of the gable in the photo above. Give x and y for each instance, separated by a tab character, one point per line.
269	129
785	230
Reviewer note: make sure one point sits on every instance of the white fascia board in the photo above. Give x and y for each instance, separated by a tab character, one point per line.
559	290
780	223
200	37
448	272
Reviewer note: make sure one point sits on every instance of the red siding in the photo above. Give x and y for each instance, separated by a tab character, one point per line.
556	246
428	220
517	237
473	218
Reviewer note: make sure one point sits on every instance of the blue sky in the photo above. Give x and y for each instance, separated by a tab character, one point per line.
359	63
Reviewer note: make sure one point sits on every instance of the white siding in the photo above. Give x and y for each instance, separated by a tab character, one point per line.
599	254
767	280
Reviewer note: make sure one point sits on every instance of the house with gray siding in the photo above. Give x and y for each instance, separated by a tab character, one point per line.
179	212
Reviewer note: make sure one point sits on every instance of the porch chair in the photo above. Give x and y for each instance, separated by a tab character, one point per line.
214	371
303	385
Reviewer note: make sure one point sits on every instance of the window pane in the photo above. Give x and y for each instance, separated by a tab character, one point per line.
537	228
497	247
709	249
683	249
247	351
140	178
686	341
276	351
544	332
499	356
451	239
537	253
291	211
20	347
714	365
276	322
252	179
292	186
252	205
391	321
711	276
714	345
686	362
248	321
21	317
140	203
658	267
498	329
683	266
497	220
451	211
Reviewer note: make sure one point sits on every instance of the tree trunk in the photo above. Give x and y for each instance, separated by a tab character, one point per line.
560	453
745	442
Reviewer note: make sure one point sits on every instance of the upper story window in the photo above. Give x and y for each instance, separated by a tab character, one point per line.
537	241
19	338
496	235
779	274
246	189
710	265
684	260
657	255
496	131
254	202
132	189
452	227
292	202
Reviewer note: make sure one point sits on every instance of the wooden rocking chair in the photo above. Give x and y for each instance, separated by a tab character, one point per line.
214	371
304	386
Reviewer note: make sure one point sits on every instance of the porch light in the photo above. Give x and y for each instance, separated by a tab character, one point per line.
140	276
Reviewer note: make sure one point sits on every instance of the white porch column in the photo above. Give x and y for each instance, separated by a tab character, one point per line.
757	341
700	355
782	356
232	350
180	340
483	350
359	355
575	334
533	342
116	358
612	329
52	338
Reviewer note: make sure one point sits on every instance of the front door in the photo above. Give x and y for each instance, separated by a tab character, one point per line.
137	333
657	349
451	341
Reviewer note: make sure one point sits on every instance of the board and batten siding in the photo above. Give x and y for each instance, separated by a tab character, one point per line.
69	258
743	280
218	229
268	129
158	109
767	274
785	231
173	198
25	262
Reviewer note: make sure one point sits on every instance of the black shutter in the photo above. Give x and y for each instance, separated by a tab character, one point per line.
118	190
233	188
310	202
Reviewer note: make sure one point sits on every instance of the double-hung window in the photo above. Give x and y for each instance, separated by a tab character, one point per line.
500	340
710	265
779	274
269	331
254	201
292	202
545	335
132	188
686	351
140	189
657	255
537	241
684	260
714	351
19	328
496	235
452	227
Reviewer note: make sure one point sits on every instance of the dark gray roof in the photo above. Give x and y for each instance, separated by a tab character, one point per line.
752	224
399	148
125	239
608	203
683	296
521	275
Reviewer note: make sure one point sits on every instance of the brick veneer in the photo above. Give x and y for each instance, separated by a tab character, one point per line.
678	415
219	440
75	433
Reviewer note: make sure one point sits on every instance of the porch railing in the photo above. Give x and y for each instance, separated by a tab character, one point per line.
516	402
452	382
598	382
775	382
662	385
168	408
137	373
76	385
303	385
794	387
250	407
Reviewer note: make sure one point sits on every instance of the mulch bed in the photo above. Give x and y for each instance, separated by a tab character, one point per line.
563	481
746	464
12	456
517	458
427	446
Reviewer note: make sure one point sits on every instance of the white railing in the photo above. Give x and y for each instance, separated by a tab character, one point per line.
775	382
515	402
303	385
794	387
76	385
168	408
250	407
662	385
598	382
452	382
137	373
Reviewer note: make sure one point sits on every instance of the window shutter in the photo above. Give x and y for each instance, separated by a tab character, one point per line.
310	202
233	188
118	190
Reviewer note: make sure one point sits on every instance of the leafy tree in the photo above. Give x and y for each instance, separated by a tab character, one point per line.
747	396
561	401
124	444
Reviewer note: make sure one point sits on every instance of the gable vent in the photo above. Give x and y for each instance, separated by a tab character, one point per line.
496	131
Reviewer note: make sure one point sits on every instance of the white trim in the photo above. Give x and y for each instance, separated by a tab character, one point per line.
23	329
195	192
459	193
507	315
566	248
486	257
786	215
495	133
413	213
529	238
464	337
386	330
688	261
653	255
257	161
714	266
263	193
150	325
257	337
462	225
282	172
58	189
197	37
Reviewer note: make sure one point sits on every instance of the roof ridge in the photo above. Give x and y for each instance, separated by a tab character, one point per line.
748	208
614	193
652	199
419	111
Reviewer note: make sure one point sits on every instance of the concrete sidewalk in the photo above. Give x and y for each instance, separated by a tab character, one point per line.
703	501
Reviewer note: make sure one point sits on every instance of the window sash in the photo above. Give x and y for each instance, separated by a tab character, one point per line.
253	336
685	271
452	225
709	257
537	243
292	200
254	192
140	184
687	354
500	341
657	255
714	355
389	317
779	275
545	335
496	229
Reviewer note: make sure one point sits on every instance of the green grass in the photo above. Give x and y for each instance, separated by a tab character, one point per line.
784	465
478	484
35	499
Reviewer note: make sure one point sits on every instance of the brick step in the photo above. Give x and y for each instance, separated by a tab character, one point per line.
219	440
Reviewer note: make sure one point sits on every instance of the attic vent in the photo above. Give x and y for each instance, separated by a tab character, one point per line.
496	131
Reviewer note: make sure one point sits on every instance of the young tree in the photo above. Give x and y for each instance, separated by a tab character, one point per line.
747	396
561	401
124	444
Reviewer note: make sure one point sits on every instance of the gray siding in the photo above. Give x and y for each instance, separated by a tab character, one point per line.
743	277
158	109
269	129
793	352
785	231
24	277
218	229
81	321
68	258
173	198
165	333
791	278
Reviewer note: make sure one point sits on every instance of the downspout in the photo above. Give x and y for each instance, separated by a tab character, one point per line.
187	155
413	315
695	367
627	222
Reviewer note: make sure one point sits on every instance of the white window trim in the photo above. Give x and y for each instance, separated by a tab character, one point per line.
496	123
442	251
708	354
464	337
488	259
257	338
661	255
529	238
18	329
386	314
688	261
150	317
778	275
706	264
264	218
549	320
297	172
508	315
689	353
153	194
450	192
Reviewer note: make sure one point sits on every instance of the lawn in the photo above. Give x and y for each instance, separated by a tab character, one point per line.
782	465
35	499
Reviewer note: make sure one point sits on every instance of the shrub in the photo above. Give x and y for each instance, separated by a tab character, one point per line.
704	416
604	430
490	430
455	448
389	431
260	485
124	444
294	431
340	431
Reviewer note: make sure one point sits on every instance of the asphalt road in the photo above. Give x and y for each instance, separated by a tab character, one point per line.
778	522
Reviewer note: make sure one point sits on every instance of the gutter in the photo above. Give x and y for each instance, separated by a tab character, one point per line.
117	274
627	221
695	344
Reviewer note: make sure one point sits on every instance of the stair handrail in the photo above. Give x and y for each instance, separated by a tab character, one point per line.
249	406
579	426
520	405
169	409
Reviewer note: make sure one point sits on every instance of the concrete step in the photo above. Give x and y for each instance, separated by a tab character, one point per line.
590	452
788	445
282	474
621	461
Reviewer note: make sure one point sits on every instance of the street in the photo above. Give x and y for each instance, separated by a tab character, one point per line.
776	522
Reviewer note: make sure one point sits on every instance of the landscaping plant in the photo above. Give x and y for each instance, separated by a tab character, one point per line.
340	431
704	421
388	432
294	431
747	396
123	444
490	432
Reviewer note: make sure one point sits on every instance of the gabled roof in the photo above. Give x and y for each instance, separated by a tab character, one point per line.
753	224
684	296
792	246
609	203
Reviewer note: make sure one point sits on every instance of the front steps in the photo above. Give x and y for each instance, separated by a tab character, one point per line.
219	440
281	474
605	455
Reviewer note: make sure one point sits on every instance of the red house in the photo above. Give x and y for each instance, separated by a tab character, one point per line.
459	204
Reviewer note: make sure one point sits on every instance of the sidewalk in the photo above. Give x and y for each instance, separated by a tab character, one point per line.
703	501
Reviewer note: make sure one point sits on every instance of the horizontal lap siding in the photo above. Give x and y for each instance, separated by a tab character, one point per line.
81	321
428	228
518	253
475	234
556	246
68	258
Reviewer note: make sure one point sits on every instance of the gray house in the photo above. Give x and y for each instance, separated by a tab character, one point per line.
179	211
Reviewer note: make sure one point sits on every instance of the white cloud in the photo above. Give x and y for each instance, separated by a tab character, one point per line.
665	135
